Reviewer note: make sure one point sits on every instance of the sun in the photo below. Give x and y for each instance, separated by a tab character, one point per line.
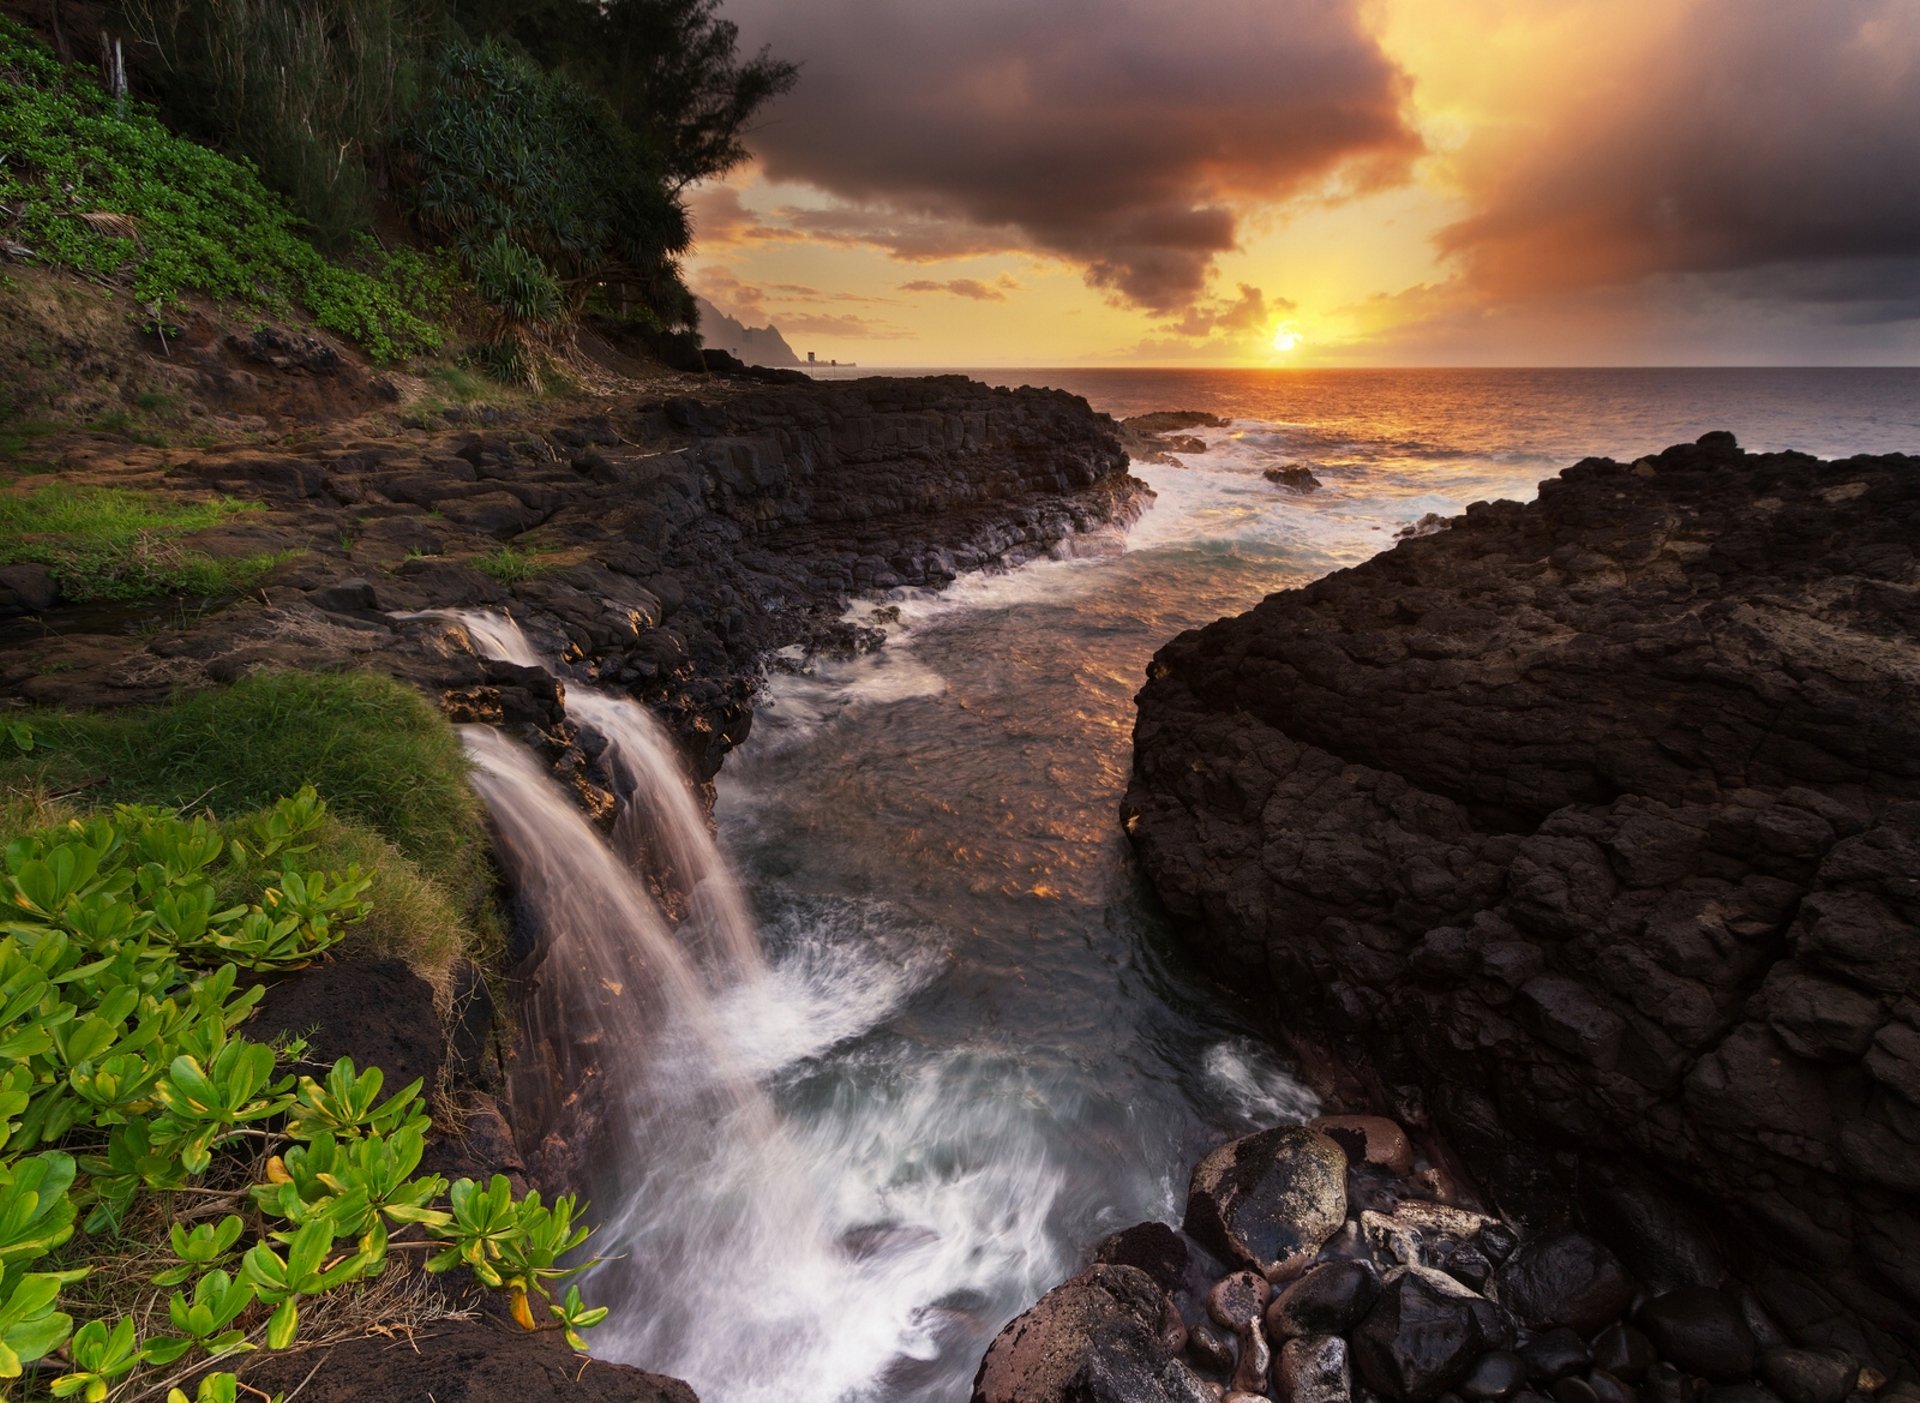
1285	338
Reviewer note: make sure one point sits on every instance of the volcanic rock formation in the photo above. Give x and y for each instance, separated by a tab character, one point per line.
1597	821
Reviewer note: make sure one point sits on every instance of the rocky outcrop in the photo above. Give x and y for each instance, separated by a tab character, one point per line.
1412	1297
1156	437
664	551
1597	822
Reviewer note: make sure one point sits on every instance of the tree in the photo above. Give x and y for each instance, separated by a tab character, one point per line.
670	70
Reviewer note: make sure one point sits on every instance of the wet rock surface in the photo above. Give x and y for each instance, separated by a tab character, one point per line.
457	1361
1596	823
664	550
1390	1317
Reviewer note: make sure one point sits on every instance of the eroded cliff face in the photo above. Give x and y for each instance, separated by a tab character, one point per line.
664	550
1598	820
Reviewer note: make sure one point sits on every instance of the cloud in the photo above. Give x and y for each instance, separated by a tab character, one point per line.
971	288
1125	136
1249	312
848	326
1776	137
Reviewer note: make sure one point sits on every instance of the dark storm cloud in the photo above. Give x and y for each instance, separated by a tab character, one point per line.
1771	143
1122	135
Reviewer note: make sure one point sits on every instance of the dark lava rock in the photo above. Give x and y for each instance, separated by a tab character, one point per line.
458	1361
1469	1266
1666	1384
1498	1241
1623	1352
1294	479
1809	1375
1553	1354
1329	1300
1206	1343
1597	818
1236	1299
1497	1375
1268	1200
1093	1339
1740	1393
378	1012
1155	1248
1609	1388
1574	1389
1423	1335
27	589
1565	1279
1313	1369
1701	1330
1166	421
345	597
1374	1141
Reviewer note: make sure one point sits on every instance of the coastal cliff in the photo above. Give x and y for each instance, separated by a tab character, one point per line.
1591	828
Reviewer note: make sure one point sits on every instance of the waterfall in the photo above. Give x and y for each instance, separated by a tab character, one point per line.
746	1254
661	822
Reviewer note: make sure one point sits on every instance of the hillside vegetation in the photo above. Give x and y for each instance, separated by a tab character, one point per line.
393	168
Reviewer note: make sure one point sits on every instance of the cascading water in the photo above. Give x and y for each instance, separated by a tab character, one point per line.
740	1252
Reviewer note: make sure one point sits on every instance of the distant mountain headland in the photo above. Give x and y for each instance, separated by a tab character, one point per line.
763	345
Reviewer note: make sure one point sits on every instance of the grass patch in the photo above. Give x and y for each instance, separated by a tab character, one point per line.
374	749
390	768
119	543
511	567
461	384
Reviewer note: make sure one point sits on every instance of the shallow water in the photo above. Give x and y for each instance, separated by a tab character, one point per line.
972	1047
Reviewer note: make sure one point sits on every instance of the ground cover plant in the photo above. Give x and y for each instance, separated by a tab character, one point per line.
173	1195
100	187
133	1105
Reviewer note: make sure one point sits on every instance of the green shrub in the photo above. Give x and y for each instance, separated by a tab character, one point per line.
121	199
118	543
548	198
306	90
128	1082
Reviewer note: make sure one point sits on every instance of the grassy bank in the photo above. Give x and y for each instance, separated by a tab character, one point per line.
389	768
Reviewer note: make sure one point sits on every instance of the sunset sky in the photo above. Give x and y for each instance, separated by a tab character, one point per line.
1330	182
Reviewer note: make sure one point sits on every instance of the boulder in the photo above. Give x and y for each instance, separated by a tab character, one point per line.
1236	1299
1329	1300
1293	478
1423	1335
1313	1369
1268	1200
1703	1331
1809	1375
1564	1279
1155	1248
1093	1339
1373	1141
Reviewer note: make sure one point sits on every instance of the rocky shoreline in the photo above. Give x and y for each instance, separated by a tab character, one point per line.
1335	1262
1588	831
666	551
